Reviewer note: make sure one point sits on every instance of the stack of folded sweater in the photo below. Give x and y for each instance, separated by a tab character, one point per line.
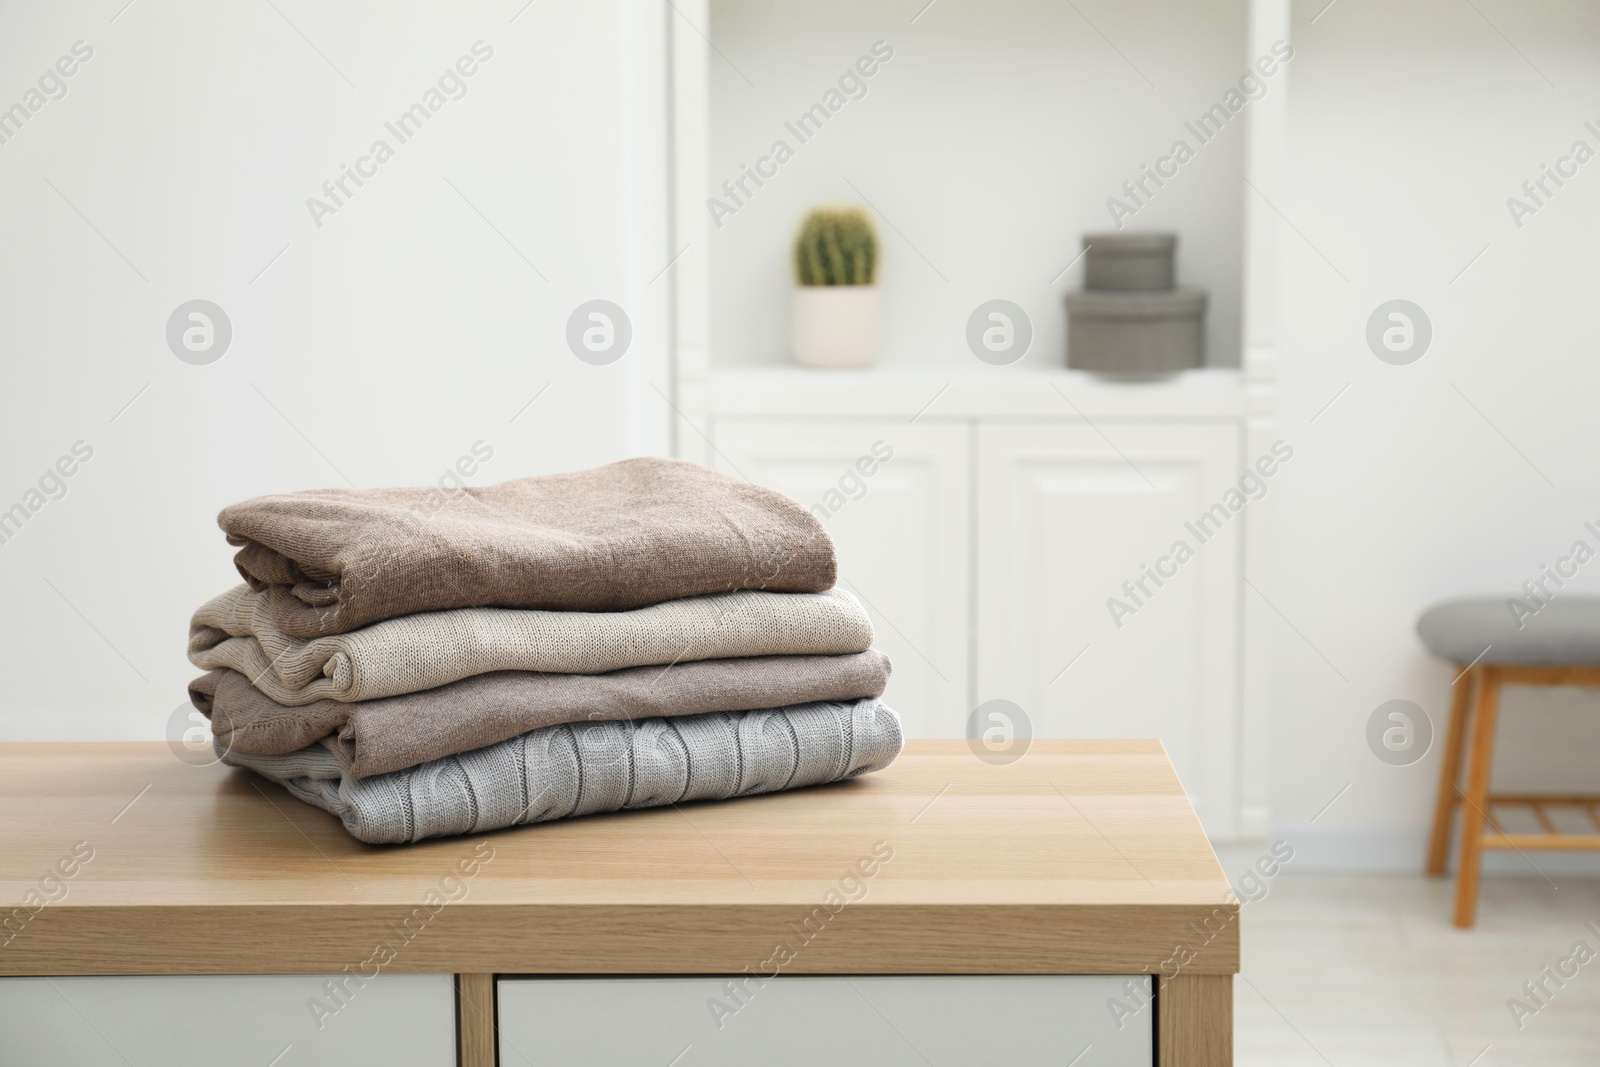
422	663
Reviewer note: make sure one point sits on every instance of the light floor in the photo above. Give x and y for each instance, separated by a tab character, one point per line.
1368	971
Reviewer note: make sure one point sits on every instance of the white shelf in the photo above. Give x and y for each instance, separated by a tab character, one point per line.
991	234
929	396
981	175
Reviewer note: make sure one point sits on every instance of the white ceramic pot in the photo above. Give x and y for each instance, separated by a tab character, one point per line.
836	325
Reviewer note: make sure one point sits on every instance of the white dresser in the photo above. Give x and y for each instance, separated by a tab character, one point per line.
1009	532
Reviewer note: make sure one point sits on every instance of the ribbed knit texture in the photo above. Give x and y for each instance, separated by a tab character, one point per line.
390	734
563	771
617	537
415	652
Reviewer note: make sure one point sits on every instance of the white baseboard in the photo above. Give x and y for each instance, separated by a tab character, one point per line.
1401	850
1255	821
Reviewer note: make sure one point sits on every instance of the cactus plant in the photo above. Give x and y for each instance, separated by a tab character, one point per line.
836	246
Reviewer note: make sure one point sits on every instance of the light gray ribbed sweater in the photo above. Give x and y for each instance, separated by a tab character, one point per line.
582	769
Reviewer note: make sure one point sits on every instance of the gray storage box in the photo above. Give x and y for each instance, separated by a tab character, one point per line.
1129	261
1136	334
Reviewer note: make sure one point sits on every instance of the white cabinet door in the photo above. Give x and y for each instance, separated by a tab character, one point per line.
790	1022
1066	516
398	1020
902	534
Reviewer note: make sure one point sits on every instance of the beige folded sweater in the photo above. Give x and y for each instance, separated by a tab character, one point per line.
416	652
620	536
390	734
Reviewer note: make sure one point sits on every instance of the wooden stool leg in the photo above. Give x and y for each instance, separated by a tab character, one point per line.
1455	742
1474	812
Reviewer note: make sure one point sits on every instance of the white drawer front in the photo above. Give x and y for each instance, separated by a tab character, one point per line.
396	1020
885	1021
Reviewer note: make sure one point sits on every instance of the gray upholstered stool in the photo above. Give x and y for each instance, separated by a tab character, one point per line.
1495	645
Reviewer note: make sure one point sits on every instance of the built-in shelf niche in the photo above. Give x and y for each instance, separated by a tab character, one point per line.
990	139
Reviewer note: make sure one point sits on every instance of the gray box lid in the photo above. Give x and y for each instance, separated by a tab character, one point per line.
1137	243
1136	304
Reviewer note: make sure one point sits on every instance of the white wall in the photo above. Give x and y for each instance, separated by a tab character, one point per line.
405	328
377	348
990	141
1409	126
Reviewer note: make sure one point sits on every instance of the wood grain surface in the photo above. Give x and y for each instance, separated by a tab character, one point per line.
477	1038
1194	1021
1081	857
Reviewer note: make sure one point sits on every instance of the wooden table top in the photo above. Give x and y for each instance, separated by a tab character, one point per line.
1081	857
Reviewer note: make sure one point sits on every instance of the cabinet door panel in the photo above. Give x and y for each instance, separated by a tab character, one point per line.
1065	518
902	537
789	1022
397	1020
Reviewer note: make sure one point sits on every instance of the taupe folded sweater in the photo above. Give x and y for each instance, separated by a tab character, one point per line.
621	536
562	771
424	651
378	736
